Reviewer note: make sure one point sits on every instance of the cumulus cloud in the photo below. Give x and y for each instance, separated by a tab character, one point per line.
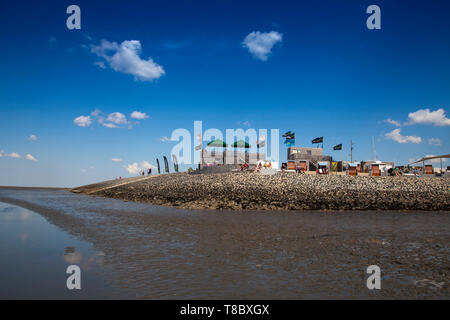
435	142
396	136
260	44
112	120
116	160
30	157
393	122
83	121
32	137
125	58
117	118
426	116
136	168
139	115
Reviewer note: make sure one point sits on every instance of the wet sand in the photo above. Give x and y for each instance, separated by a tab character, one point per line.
155	252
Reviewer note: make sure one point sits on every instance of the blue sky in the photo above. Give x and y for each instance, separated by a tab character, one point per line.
321	72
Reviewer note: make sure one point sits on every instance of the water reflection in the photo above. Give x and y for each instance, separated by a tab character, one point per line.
162	253
35	254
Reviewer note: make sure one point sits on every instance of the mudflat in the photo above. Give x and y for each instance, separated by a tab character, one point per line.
158	252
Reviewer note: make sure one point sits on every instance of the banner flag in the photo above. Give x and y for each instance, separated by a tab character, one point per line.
338	147
289	135
159	168
166	164
289	142
175	162
318	140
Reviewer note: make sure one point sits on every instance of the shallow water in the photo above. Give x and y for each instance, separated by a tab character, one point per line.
156	252
34	257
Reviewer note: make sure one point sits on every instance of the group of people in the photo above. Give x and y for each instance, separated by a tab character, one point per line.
142	172
266	165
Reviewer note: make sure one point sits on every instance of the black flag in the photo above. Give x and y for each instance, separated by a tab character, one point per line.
159	168
338	147
166	164
318	140
175	162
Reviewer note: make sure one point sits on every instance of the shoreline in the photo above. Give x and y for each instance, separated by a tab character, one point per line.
285	192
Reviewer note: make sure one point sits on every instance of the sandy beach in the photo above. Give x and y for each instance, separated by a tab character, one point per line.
289	191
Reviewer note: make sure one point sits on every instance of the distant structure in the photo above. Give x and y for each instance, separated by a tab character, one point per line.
308	156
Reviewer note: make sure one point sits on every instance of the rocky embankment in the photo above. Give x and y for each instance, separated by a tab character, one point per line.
289	191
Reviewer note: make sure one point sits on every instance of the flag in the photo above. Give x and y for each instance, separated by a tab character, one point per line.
159	168
318	140
175	162
166	164
289	135
289	142
338	147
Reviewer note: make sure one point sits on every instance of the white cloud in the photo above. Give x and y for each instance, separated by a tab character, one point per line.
116	160
435	160
1	153
125	58
260	44
135	168
32	137
112	120
165	139
425	116
147	165
396	136
83	121
96	113
13	155
435	142
393	122
110	125
100	64
139	115
117	118
30	157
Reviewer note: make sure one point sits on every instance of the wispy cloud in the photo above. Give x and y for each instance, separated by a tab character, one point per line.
435	142
116	160
100	64
165	139
30	157
260	44
125	58
396	136
32	137
393	122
